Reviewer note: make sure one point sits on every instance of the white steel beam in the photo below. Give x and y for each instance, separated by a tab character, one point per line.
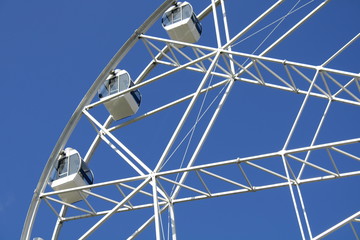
290	184
59	223
337	226
220	194
70	126
146	224
216	24
300	112
186	114
96	141
113	211
251	25
117	141
150	177
158	57
160	76
203	138
224	163
341	50
315	136
172	221
227	35
156	209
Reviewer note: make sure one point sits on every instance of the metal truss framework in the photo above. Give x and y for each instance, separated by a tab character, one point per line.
233	67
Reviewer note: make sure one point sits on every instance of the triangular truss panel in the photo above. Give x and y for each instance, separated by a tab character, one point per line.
228	114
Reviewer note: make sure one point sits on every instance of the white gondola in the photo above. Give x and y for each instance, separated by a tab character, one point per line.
181	23
124	105
71	171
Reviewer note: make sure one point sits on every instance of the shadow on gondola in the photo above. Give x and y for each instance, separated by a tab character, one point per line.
71	171
124	105
181	23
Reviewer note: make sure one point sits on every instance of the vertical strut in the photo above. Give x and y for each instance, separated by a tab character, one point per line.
187	112
293	196
285	163
156	209
217	31
113	211
227	35
172	221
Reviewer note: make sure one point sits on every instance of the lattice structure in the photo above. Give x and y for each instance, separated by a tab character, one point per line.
218	69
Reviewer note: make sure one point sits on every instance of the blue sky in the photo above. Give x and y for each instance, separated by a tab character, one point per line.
51	52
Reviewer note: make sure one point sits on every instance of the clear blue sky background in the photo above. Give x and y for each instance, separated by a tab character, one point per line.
52	51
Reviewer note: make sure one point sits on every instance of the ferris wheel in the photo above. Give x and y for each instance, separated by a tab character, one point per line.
206	121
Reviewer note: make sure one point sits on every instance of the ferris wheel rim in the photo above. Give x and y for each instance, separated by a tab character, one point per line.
30	217
78	113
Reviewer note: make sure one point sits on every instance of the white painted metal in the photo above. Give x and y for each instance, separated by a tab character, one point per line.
172	221
156	210
59	222
113	211
186	114
71	176
218	39
205	61
124	105
183	28
65	135
71	181
337	226
123	147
